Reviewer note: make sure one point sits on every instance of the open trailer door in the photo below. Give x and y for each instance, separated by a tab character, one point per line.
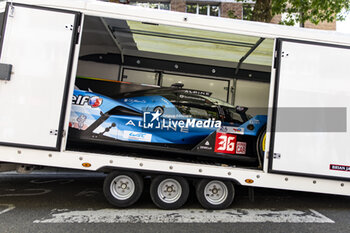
37	46
310	134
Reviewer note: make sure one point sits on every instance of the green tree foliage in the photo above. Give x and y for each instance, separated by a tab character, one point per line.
298	11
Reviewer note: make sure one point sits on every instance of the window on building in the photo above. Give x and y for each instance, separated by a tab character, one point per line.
153	5
191	8
201	9
214	10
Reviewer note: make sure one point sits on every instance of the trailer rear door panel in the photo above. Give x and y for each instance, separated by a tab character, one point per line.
311	110
39	44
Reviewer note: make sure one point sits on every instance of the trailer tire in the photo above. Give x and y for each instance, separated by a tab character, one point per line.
169	192
122	189
215	194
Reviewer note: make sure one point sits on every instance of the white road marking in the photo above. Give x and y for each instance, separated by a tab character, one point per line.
186	216
25	192
8	207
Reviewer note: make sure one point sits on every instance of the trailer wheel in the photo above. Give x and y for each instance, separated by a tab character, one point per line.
169	192
122	189
215	194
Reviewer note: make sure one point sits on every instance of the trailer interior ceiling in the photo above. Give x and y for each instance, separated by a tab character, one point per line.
177	43
238	67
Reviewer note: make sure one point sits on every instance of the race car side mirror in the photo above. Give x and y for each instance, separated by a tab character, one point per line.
177	85
242	112
241	109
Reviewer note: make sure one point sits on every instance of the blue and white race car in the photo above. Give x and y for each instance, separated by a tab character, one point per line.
168	119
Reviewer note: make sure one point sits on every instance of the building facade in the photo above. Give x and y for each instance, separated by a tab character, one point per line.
219	8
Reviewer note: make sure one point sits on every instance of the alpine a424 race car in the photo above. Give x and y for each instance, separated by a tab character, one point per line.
169	119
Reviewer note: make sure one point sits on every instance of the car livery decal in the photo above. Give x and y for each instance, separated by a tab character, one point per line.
137	136
94	101
241	148
230	129
225	143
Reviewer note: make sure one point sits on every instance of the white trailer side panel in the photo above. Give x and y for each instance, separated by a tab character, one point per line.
38	43
313	100
76	160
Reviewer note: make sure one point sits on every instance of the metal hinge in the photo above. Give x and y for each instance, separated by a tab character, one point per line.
54	132
275	60
12	10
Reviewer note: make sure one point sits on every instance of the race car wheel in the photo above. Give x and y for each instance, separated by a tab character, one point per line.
260	146
122	189
169	192
215	194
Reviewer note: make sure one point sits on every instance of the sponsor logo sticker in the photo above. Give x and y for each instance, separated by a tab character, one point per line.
237	130
192	98
134	101
93	102
137	136
241	148
81	119
339	167
206	146
197	92
228	129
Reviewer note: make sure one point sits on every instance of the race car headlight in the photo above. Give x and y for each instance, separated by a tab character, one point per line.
250	127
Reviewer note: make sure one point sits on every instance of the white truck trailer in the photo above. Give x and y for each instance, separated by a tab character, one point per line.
298	77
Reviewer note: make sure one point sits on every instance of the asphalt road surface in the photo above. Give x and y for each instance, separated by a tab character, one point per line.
74	202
